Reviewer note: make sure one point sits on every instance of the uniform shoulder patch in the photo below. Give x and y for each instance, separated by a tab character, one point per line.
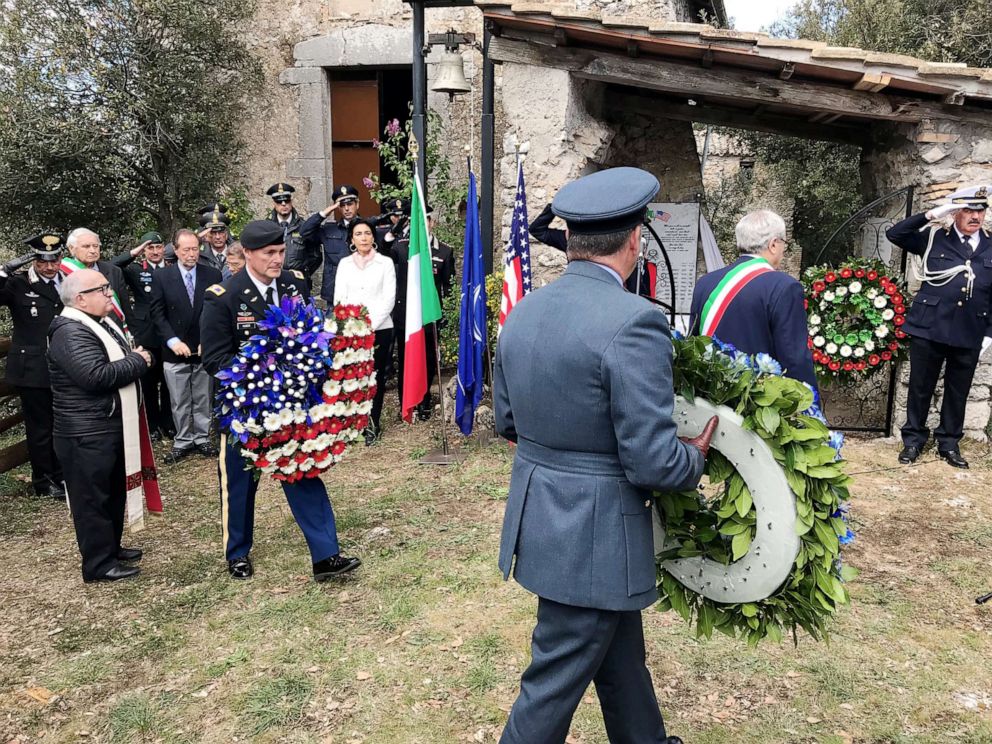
297	274
216	289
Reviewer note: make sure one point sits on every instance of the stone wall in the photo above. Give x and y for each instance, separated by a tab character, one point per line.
938	158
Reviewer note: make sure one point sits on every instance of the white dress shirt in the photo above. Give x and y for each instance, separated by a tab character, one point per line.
263	287
374	286
972	239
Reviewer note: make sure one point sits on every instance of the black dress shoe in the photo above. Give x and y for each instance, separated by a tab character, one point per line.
909	454
52	491
156	436
179	454
168	432
207	450
334	566
116	574
240	568
953	458
129	554
371	436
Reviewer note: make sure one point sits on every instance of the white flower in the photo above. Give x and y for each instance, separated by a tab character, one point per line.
350	386
845	350
237	427
855	287
815	320
881	301
819	341
869	345
271	421
286	417
881	331
300	417
871	294
888	314
828	296
841	291
831	348
859	352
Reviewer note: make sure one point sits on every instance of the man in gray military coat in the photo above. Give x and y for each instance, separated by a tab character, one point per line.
578	518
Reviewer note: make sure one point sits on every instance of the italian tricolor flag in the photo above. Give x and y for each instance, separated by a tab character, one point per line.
729	287
422	304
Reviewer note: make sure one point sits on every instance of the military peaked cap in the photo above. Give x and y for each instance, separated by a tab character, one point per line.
47	246
605	202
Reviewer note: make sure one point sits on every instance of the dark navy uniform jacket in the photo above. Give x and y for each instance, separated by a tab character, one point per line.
231	312
33	305
946	314
302	255
138	276
333	236
767	316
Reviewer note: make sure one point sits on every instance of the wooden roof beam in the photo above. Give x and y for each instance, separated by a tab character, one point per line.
873	82
739	85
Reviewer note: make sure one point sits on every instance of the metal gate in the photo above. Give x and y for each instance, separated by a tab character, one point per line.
867	405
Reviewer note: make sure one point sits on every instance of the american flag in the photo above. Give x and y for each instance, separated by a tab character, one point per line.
516	265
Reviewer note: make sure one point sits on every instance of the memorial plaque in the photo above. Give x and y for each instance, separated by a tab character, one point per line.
678	227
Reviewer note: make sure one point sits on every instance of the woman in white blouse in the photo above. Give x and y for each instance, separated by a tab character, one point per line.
368	278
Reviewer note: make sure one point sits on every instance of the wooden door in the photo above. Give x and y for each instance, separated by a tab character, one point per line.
354	126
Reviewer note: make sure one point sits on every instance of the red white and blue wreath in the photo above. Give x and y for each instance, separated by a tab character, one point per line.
300	391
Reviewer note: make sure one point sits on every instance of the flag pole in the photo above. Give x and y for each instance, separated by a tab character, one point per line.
440	388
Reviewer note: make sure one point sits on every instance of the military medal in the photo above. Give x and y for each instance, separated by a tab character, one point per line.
34	312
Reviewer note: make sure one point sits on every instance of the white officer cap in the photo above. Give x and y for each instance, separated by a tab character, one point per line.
972	197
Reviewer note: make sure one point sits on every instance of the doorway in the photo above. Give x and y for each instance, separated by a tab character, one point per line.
363	102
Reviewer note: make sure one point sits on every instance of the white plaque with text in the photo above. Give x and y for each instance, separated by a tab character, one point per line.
678	227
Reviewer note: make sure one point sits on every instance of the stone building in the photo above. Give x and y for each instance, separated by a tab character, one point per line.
592	84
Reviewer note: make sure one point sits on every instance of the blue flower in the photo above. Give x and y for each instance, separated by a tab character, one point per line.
837	442
848	538
767	365
677	335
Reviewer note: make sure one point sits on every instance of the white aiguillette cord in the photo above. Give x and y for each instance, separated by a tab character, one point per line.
940	278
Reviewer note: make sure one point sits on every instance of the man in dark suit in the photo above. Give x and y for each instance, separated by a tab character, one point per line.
177	301
230	317
139	266
33	299
949	322
301	255
579	513
332	234
84	245
752	305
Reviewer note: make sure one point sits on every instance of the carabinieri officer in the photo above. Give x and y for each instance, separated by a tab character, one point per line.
949	321
231	312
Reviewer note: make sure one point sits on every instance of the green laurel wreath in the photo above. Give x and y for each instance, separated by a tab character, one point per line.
718	522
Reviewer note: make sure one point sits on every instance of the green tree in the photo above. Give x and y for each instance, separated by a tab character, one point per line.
119	114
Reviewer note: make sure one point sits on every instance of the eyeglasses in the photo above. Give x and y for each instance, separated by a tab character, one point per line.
103	288
786	245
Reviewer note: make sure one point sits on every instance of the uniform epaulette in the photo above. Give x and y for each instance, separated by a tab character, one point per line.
216	289
297	274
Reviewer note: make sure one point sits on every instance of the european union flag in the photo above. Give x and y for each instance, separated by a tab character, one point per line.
472	319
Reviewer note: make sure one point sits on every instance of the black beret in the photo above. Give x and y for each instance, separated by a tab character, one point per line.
47	246
261	234
605	202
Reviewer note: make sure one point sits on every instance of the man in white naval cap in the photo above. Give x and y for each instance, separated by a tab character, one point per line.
949	321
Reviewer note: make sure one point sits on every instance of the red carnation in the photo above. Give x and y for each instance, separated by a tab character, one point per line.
824	360
900	334
848	366
890	289
897	298
261	462
805	304
893	346
282	462
899	320
809	343
873	360
860	273
860	366
846	273
337	448
337	374
341	312
334	426
830	277
900	309
819	287
887	355
834	366
252	443
872	276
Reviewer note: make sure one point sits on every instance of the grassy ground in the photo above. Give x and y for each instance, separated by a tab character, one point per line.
426	643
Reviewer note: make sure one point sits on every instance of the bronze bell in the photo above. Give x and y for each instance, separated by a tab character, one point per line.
450	76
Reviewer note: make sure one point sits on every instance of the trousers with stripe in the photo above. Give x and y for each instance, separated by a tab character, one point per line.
307	500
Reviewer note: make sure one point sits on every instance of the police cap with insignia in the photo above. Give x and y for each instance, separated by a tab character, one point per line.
261	234
609	201
214	217
281	192
345	192
396	206
973	197
47	246
151	237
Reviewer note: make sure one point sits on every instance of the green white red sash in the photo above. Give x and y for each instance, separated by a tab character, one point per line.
70	264
728	288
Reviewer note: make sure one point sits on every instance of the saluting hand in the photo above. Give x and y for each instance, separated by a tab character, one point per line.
939	213
702	442
138	250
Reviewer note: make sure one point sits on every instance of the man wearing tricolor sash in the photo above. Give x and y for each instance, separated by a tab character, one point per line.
84	253
753	305
101	436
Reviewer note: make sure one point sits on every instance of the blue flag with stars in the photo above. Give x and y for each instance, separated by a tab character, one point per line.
472	318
